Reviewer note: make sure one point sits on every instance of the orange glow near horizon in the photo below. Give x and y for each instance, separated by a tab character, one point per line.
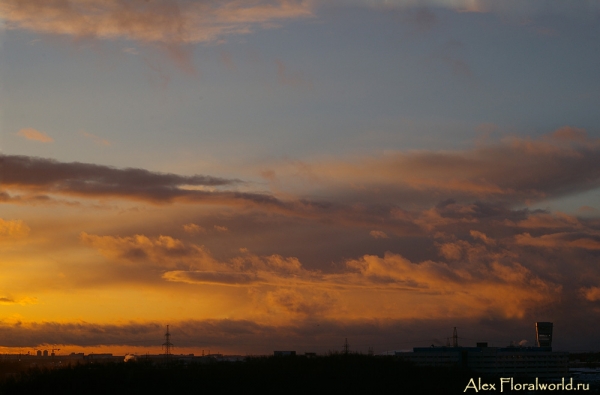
252	174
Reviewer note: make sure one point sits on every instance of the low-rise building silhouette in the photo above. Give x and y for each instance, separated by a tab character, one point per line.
512	361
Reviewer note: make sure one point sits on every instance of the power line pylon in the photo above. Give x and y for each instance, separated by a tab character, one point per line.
346	347
455	338
167	345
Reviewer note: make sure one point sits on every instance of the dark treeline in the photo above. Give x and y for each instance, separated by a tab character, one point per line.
329	374
346	374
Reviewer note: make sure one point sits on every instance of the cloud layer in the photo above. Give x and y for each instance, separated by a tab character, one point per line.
475	277
248	337
514	170
183	22
417	237
169	22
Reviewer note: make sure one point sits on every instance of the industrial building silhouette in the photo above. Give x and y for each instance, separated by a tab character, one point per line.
512	361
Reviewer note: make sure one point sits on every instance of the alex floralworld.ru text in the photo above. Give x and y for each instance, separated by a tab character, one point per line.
507	383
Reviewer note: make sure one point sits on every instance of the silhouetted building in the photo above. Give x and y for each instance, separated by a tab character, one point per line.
505	361
511	361
103	358
543	334
284	353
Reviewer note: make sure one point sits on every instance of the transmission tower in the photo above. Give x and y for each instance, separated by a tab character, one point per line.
346	347
455	338
167	345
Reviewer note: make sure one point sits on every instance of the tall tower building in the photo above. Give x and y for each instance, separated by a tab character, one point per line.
543	334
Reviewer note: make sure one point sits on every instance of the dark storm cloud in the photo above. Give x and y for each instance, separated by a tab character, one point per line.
511	171
25	170
19	334
245	336
50	176
518	168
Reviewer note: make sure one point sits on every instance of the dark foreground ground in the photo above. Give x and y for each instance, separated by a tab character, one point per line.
344	374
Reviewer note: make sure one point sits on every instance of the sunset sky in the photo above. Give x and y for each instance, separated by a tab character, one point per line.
284	174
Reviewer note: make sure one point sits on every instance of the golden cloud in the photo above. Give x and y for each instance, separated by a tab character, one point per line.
35	135
471	285
550	221
206	277
305	302
13	229
193	228
378	234
592	293
481	236
561	240
162	250
506	289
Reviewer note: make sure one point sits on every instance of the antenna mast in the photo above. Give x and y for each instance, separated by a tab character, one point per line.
455	338
167	345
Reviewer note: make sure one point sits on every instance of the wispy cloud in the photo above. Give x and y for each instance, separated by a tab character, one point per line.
561	240
378	234
7	300
97	140
203	277
286	77
498	6
172	25
131	51
35	135
459	5
169	22
193	228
